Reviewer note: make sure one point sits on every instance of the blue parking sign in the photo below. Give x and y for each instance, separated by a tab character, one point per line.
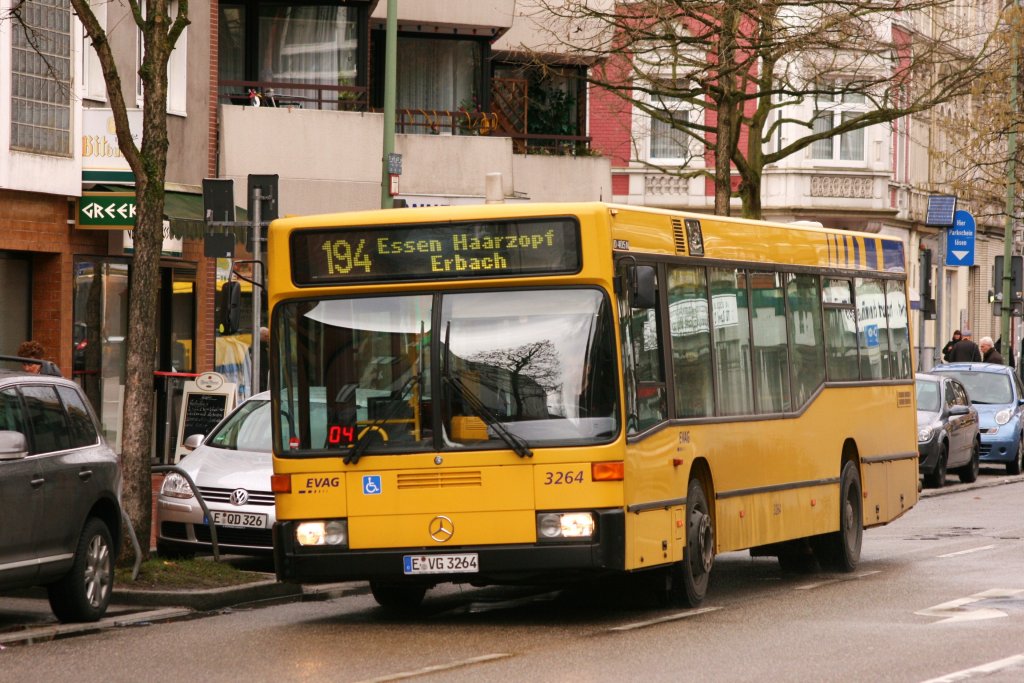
960	240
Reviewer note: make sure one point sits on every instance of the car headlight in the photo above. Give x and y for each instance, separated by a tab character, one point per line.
176	486
925	433
1003	416
558	525
322	532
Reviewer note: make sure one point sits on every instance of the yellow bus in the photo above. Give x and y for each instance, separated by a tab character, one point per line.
540	392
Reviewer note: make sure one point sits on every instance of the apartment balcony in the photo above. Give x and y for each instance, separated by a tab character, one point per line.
329	159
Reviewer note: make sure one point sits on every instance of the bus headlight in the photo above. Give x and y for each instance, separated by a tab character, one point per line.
332	532
176	486
558	525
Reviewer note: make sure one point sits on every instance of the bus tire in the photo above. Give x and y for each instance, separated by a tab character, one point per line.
398	597
699	556
840	550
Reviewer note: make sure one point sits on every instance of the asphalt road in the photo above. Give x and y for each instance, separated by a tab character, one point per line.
939	595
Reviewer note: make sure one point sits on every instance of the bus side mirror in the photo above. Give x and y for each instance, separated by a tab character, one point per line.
643	287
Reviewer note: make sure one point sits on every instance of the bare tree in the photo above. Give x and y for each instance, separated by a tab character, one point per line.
975	133
159	32
756	78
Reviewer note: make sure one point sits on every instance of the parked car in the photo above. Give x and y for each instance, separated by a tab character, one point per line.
947	430
231	467
60	494
996	392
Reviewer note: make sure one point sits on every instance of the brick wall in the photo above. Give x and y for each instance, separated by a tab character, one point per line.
38	224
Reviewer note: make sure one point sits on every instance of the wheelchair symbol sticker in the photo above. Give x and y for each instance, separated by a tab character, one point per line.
371	484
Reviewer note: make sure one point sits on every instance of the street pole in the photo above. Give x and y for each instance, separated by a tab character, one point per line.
1011	192
940	275
257	269
390	85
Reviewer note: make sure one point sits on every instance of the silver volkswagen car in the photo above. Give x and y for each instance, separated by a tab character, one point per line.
232	469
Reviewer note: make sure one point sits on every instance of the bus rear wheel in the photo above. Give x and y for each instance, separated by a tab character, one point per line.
398	597
695	570
840	550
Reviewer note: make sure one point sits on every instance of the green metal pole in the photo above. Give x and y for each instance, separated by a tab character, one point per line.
1011	193
390	85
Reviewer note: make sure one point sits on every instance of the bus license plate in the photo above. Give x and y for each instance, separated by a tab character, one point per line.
462	563
239	519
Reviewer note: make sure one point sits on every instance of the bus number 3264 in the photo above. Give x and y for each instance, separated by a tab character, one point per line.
558	478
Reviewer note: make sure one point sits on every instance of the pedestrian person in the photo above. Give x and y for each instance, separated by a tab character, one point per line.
989	352
31	349
947	350
965	350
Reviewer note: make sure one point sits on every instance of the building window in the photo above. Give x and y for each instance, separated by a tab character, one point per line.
94	87
841	107
439	74
177	78
667	141
312	43
41	79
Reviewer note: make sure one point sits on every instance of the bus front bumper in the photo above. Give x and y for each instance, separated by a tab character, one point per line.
518	563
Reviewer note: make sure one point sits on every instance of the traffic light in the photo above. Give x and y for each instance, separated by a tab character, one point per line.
927	302
1017	286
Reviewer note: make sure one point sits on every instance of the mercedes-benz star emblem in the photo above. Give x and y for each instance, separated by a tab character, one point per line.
239	497
441	528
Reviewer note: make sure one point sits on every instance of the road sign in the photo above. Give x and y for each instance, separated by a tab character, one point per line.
960	240
106	210
940	210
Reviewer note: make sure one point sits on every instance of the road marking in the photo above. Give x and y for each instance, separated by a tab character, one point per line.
968	551
438	667
991	667
962	609
662	620
829	582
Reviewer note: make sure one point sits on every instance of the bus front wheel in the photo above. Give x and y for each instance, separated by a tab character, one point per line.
700	546
840	550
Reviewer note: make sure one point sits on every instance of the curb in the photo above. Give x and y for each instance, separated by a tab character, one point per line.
206	599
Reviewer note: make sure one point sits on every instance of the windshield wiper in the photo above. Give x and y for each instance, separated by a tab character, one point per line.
399	398
515	442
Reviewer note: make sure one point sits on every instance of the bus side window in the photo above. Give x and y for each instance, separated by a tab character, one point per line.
690	331
899	334
807	349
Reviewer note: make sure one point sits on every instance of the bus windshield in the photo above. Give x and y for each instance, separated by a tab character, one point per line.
516	370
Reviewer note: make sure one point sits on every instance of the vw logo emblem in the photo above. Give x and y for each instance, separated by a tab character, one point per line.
441	528
239	497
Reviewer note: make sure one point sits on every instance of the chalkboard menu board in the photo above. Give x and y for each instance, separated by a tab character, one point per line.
204	403
202	413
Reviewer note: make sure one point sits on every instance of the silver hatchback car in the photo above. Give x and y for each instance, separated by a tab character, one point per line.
232	469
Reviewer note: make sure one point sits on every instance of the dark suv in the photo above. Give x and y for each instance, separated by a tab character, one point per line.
60	492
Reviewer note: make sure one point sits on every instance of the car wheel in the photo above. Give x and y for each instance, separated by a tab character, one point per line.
398	597
1015	466
840	550
84	592
969	472
936	479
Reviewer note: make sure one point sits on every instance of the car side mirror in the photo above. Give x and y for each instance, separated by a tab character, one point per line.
193	441
959	410
13	445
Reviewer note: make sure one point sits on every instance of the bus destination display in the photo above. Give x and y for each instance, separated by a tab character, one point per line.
435	251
